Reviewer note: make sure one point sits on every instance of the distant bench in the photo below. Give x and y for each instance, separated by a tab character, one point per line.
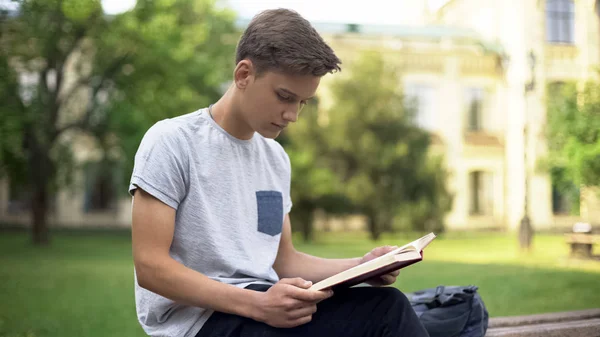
582	244
583	323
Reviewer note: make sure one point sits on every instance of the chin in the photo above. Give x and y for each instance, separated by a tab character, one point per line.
269	134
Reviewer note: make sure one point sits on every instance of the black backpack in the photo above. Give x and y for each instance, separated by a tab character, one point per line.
451	311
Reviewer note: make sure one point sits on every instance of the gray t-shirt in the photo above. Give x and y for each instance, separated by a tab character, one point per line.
231	196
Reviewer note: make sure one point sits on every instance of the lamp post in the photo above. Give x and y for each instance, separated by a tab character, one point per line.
525	228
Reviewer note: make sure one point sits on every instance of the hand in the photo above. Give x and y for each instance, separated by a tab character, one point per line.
289	303
386	279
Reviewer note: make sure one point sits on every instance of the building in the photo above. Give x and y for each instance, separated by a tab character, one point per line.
478	70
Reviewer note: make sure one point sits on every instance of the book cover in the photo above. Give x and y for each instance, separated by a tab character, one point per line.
397	259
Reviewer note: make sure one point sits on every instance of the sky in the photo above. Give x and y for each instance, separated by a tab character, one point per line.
343	11
402	12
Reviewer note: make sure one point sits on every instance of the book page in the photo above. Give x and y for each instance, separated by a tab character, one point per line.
416	245
421	243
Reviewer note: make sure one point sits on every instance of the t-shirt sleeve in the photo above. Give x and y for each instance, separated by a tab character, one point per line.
161	165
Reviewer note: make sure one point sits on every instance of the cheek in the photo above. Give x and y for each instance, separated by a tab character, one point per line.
259	98
269	104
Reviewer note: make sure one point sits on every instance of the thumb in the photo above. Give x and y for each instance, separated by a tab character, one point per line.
383	250
297	281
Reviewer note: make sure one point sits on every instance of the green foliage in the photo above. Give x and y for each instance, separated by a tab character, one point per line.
110	77
176	56
379	151
431	201
314	184
12	158
574	134
367	149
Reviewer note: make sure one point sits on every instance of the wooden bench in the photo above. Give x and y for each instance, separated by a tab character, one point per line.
582	244
583	323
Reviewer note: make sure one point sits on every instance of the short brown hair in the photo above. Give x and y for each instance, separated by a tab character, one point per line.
282	40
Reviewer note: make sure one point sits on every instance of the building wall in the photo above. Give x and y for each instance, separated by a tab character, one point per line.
69	210
520	27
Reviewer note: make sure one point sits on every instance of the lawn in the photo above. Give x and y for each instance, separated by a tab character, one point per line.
83	284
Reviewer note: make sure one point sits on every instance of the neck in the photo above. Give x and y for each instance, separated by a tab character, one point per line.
228	116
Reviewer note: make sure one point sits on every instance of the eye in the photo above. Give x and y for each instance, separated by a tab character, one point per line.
284	98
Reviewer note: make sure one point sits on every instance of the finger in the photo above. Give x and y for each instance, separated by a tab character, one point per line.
380	250
297	282
388	279
383	250
395	273
304	311
300	321
377	282
309	295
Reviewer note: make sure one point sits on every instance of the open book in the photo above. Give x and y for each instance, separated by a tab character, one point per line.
394	260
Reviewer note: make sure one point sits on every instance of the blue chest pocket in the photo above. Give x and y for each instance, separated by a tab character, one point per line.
270	212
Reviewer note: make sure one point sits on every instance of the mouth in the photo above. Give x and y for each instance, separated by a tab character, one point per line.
279	126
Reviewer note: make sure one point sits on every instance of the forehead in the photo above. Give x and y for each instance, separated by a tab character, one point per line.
304	86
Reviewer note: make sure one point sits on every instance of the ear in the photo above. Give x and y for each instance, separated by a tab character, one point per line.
243	74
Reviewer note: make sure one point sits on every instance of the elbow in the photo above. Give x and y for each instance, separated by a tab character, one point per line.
146	272
284	265
142	280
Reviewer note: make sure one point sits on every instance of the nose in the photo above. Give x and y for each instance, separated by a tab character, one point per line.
291	114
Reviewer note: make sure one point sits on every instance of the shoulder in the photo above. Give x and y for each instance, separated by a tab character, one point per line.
170	130
171	135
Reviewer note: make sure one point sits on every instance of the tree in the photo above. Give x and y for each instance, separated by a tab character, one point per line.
382	157
314	184
109	77
573	135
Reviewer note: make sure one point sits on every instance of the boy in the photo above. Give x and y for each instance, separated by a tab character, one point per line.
211	233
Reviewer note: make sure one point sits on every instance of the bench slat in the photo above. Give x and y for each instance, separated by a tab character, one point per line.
582	238
554	317
588	328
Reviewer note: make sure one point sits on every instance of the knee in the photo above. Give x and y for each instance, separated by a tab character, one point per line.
401	317
396	296
396	301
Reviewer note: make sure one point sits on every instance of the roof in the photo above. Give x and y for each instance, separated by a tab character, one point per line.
432	32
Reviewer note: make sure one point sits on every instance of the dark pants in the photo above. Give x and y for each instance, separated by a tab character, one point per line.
359	311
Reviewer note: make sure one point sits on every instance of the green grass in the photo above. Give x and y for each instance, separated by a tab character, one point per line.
83	284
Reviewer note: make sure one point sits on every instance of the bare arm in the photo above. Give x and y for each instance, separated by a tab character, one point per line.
287	304
152	233
292	263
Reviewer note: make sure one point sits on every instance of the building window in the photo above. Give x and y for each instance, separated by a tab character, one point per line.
475	109
481	193
565	194
555	88
560	21
100	189
420	99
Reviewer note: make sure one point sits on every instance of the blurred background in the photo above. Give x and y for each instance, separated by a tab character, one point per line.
478	120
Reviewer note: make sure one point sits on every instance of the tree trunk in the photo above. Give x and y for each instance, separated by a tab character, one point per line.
41	172
303	217
374	226
388	225
307	226
39	209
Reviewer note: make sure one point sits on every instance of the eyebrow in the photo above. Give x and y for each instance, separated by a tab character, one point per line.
293	94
